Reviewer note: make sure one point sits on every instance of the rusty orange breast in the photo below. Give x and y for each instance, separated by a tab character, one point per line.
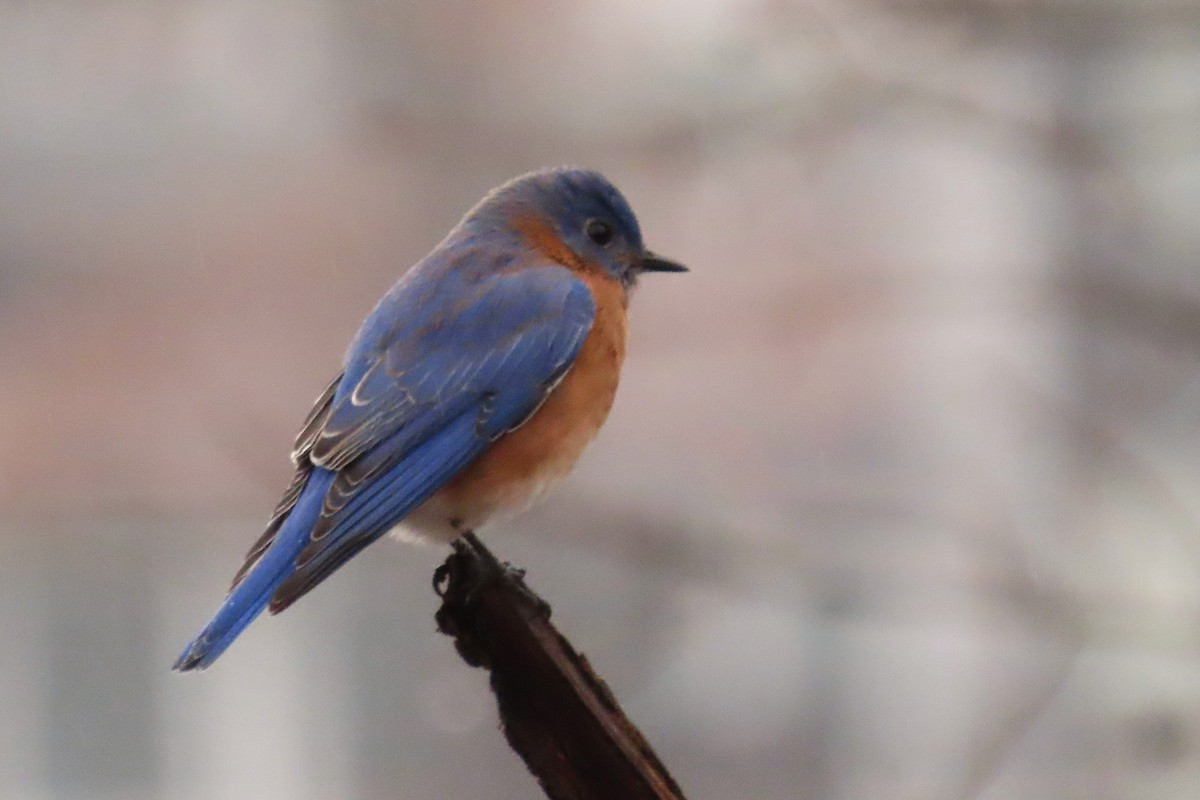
527	461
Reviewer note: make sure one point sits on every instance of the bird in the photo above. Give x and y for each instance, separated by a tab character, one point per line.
468	392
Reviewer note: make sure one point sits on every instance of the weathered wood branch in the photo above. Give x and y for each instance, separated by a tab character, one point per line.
557	714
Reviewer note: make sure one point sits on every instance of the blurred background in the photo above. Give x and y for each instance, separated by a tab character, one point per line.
901	494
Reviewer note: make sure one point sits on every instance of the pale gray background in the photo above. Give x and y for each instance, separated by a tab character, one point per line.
900	496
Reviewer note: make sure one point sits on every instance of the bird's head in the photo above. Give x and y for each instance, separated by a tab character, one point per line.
576	217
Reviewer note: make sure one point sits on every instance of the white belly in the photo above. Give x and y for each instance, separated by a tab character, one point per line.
438	520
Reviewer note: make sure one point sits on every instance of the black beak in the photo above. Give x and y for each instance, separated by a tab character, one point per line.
651	262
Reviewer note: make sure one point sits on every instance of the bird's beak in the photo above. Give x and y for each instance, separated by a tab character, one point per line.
652	262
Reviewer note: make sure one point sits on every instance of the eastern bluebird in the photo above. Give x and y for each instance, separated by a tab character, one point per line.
469	391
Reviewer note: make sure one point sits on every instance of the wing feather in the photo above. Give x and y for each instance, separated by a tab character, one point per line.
314	422
308	433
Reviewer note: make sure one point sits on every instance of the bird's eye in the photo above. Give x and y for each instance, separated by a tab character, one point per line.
599	231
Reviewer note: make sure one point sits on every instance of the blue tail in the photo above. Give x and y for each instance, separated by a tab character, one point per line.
251	596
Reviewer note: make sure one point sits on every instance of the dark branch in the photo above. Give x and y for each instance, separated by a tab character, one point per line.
556	713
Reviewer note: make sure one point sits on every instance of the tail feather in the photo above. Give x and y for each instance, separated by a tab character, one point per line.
250	597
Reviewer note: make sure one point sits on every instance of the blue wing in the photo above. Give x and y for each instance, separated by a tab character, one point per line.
445	364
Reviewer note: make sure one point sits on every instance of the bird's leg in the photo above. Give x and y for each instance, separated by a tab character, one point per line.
447	572
441	579
493	571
